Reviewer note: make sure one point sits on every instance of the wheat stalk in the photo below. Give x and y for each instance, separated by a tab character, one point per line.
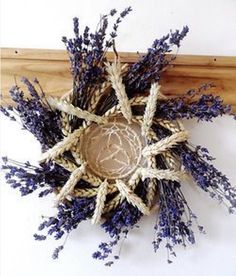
70	184
68	108
150	108
163	174
100	202
115	77
62	146
164	144
131	197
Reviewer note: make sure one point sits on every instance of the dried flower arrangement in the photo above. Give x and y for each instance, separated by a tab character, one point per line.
112	151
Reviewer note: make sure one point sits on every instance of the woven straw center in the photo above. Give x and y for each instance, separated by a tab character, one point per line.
113	150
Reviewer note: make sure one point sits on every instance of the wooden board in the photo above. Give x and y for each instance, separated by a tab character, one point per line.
52	69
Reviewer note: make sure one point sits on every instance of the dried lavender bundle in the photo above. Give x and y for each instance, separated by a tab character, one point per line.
35	114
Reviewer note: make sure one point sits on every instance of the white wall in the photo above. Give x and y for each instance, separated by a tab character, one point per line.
40	24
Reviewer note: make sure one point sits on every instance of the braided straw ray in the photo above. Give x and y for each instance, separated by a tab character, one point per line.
115	77
150	108
100	202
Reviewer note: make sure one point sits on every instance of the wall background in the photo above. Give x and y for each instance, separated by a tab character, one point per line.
40	24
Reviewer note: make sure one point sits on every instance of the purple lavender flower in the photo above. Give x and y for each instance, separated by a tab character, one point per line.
39	237
87	53
205	108
56	252
175	219
35	114
207	176
69	215
28	178
149	68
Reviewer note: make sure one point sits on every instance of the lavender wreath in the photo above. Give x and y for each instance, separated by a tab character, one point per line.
142	136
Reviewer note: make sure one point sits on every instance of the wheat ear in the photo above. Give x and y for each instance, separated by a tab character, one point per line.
150	108
100	202
114	71
166	143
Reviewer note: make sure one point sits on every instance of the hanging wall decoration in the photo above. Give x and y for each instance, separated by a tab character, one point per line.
114	146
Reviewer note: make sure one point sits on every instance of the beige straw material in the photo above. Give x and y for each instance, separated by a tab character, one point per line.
131	197
70	184
100	202
106	86
163	174
150	108
62	146
165	144
114	71
68	108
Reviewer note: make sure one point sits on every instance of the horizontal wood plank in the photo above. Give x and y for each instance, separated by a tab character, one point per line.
52	69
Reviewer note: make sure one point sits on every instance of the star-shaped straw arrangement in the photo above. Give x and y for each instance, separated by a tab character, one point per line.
129	145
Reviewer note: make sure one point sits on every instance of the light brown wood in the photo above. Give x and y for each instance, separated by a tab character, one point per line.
52	69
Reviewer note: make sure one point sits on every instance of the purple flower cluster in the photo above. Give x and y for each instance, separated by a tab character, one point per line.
149	68
119	223
35	114
28	178
205	108
87	54
106	249
125	216
70	214
175	219
207	177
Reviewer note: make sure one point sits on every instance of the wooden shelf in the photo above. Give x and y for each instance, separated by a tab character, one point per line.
51	67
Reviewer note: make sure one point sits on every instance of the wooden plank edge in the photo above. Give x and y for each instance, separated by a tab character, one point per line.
129	57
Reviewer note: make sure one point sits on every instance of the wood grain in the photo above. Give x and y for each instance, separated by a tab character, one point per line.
52	69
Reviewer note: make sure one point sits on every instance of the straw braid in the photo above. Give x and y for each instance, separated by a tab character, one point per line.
65	118
113	204
165	143
68	108
65	123
70	184
89	192
75	151
100	202
172	126
85	192
131	197
150	108
68	165
116	108
170	160
115	77
152	182
97	95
